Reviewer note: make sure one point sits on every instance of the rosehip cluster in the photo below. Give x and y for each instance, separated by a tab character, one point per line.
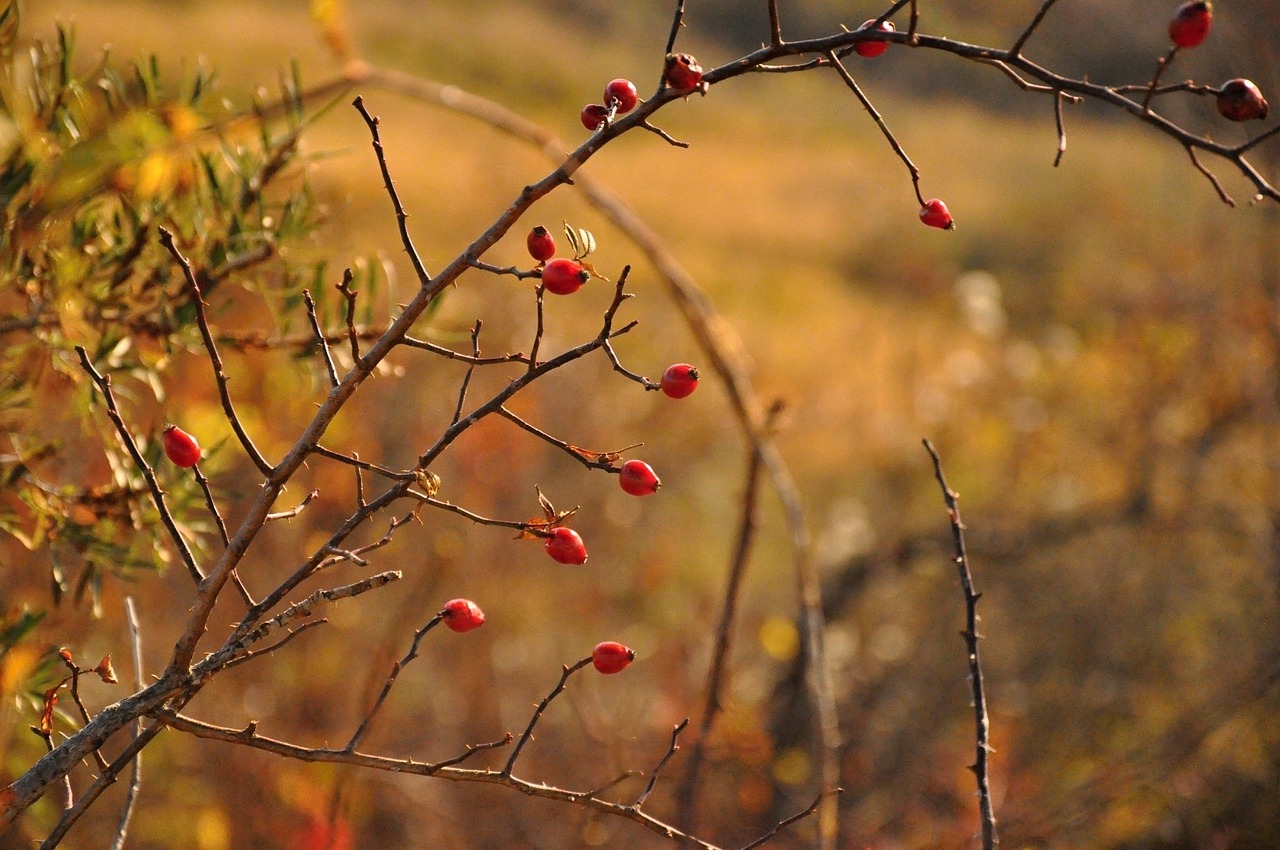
620	97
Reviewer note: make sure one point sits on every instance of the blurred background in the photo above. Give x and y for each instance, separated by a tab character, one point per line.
1093	351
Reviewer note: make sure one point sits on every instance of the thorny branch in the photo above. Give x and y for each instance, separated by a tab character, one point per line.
970	634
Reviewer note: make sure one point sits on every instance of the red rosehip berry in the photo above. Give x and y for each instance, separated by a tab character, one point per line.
565	546
593	115
638	478
624	92
679	380
871	49
541	244
611	657
180	447
1190	24
1241	100
934	213
563	276
462	615
682	72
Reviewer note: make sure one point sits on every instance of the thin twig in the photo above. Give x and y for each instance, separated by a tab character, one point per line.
539	296
320	337
662	134
352	460
747	525
249	737
103	383
294	511
466	380
1161	64
402	217
775	24
970	634
304	608
349	296
222	529
1213	178
135	778
786	822
884	128
671	751
413	342
250	654
567	671
1062	129
211	347
1031	27
676	23
474	517
391	680
589	459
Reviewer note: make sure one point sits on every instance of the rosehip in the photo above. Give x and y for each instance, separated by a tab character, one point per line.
638	478
679	380
611	657
934	213
682	72
462	615
566	547
871	49
180	447
564	277
624	92
1190	24
1240	100
541	245
593	115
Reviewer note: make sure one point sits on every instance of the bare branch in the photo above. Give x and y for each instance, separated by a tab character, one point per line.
970	634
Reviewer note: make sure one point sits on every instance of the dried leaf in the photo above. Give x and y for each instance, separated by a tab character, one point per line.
547	508
105	671
591	271
46	718
428	481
